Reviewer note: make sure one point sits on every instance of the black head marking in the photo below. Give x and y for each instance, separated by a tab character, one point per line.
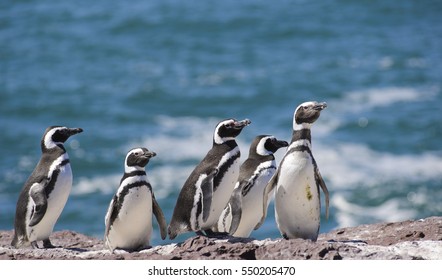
309	112
265	145
139	157
55	136
272	144
228	129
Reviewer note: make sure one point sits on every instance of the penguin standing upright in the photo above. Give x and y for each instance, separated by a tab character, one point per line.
297	180
244	210
46	191
209	187
128	220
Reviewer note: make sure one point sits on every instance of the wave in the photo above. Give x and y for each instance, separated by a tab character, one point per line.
365	100
183	142
349	214
348	165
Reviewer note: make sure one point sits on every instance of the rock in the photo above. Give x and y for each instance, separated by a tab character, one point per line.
421	239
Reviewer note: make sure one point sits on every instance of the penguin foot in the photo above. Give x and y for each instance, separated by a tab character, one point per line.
34	245
47	244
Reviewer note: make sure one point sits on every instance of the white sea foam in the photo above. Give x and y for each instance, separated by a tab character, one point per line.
105	183
181	141
368	99
185	141
348	165
349	214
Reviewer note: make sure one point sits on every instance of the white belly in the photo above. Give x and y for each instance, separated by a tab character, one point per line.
221	196
297	203
132	228
252	205
56	202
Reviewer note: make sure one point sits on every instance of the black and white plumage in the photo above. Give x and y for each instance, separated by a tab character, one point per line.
128	219
209	187
46	191
244	210
298	180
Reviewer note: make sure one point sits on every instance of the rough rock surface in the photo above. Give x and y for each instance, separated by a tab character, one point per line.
421	239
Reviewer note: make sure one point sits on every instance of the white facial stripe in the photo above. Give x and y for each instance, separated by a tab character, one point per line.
217	138
129	169
260	148
302	125
48	142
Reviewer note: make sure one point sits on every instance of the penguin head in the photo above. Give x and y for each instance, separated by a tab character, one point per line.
228	129
56	135
265	145
307	113
138	158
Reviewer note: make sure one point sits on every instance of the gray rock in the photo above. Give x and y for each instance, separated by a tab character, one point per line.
421	239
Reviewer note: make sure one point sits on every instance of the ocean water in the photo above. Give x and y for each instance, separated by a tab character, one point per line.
161	74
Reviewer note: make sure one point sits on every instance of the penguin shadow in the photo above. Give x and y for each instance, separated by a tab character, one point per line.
233	239
218	236
76	247
347	241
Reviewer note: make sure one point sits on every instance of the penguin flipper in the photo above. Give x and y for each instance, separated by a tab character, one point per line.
236	209
207	190
321	183
109	215
38	196
268	189
160	217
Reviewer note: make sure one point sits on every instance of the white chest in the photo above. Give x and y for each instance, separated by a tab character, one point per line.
297	202
133	226
56	201
221	196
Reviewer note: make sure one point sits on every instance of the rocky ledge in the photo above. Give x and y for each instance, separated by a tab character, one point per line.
421	239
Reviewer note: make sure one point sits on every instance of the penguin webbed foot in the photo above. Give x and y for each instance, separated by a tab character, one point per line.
47	244
34	245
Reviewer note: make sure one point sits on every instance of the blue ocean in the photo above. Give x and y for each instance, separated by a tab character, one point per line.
162	73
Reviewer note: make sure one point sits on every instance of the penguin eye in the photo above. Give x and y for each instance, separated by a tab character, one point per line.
305	107
137	153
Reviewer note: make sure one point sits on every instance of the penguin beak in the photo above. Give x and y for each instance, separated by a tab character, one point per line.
149	154
320	106
241	124
73	131
280	143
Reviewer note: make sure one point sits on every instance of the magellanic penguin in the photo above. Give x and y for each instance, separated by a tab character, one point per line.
128	219
297	180
209	187
244	210
46	191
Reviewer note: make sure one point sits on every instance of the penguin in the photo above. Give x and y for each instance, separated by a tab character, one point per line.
46	191
209	187
298	180
244	209
128	221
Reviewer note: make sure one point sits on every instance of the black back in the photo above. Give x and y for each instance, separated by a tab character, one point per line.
206	166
